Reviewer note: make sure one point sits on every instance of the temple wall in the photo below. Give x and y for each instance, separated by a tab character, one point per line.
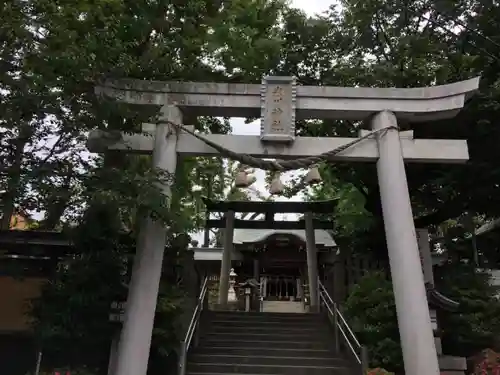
14	301
341	273
17	346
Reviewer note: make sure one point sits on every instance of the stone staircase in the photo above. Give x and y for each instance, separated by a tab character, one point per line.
265	343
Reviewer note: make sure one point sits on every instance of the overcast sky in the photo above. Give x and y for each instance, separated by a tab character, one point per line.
312	7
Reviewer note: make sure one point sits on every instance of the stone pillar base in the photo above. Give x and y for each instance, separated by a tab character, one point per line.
452	365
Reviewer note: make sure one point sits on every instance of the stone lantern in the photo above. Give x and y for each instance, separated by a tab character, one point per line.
231	294
249	290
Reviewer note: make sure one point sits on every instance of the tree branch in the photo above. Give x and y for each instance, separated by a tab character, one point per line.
448	210
380	30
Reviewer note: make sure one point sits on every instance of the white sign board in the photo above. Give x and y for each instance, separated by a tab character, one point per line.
278	104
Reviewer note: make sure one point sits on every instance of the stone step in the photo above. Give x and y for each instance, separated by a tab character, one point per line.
273	329
242	343
223	368
263	323
264	344
266	360
256	313
268	336
258	351
247	316
212	373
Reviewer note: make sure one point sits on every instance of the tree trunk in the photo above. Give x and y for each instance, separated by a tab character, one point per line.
59	202
14	179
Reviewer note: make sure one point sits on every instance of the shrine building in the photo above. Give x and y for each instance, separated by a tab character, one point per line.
273	253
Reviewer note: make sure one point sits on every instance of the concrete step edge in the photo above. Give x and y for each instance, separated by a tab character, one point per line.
264	329
219	373
264	317
258	313
268	349
315	322
256	340
264	321
261	318
260	341
253	356
312	334
263	365
267	333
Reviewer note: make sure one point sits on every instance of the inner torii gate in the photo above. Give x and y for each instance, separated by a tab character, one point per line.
269	209
280	101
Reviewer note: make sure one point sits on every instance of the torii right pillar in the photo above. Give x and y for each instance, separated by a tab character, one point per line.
415	328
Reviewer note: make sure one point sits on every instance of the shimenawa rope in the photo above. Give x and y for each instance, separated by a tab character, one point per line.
278	165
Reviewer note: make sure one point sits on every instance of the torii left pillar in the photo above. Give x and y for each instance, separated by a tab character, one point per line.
312	262
135	341
225	268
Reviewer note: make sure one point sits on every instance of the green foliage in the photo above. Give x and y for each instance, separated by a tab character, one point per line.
251	38
371	312
408	44
477	324
54	52
350	217
166	334
71	318
53	55
135	192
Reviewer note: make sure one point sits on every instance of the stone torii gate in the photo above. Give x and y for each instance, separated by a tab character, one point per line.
280	101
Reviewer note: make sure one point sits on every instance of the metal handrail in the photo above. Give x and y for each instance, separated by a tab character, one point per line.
192	328
261	294
341	326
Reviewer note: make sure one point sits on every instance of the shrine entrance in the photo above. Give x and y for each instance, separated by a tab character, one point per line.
280	101
283	283
282	256
280	288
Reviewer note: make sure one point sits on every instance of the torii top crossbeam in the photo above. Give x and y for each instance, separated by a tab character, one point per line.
310	102
271	207
280	101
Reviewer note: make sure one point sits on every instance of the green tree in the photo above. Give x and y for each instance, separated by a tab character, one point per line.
400	44
54	52
66	48
476	326
71	318
371	312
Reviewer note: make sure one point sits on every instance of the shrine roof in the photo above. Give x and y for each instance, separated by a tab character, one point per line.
249	236
271	207
438	300
488	227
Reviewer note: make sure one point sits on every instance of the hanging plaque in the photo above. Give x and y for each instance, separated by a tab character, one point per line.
278	104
